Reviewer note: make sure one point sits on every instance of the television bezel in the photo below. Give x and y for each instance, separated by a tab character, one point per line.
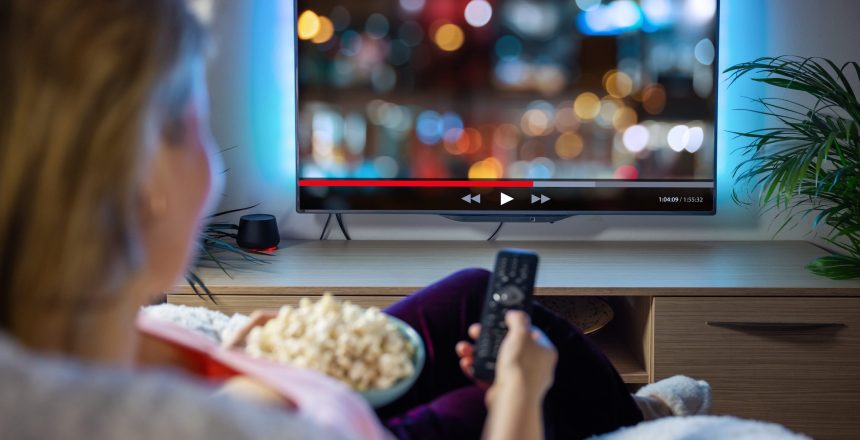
502	215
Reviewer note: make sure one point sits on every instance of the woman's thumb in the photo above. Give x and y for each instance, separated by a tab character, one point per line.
517	320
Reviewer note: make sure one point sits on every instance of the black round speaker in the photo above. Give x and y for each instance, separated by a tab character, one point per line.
258	232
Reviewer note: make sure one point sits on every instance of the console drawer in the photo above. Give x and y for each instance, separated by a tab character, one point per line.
788	360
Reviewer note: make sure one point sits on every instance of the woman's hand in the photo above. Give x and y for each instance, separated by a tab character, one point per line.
524	372
256	319
526	357
466	352
252	390
245	387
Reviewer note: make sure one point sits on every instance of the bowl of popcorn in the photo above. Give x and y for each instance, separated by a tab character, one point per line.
373	353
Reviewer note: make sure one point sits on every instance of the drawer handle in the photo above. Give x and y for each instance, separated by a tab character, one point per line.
775	326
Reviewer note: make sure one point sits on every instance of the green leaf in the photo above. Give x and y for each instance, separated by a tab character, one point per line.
806	167
837	267
218	214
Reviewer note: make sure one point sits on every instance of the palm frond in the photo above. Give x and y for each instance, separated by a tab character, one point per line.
807	166
215	239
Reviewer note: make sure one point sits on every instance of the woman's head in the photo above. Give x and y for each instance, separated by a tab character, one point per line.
104	152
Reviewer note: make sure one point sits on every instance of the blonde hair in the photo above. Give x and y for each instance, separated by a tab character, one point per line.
83	83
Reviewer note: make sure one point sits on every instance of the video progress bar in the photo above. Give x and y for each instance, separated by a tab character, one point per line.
364	183
357	183
617	184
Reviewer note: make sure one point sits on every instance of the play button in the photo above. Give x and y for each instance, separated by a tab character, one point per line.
505	199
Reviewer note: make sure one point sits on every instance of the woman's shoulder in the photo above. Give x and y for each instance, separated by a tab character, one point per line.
54	397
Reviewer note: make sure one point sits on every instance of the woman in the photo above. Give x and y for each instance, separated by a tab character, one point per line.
106	171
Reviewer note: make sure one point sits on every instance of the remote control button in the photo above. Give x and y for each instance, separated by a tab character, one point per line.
509	295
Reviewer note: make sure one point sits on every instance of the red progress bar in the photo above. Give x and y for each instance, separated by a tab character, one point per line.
420	183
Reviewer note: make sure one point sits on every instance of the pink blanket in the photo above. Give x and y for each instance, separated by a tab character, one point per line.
321	399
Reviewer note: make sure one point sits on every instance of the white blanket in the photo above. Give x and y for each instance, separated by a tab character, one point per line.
703	428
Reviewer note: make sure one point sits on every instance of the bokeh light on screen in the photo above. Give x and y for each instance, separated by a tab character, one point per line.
636	138
658	12
383	78
609	106
386	167
587	5
506	136
624	118
478	13
535	122
399	53
452	127
705	52
489	168
508	47
611	18
531	19
429	127
449	37
469	141
654	99
618	84
355	133
678	137
565	118
308	25
411	33
626	172
413	6
586	106
569	146
350	43
325	31
695	138
376	26
340	18
700	11
541	168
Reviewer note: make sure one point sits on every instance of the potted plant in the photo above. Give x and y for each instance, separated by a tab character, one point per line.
806	165
218	238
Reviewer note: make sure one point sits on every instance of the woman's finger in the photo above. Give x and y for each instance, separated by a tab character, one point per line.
256	319
474	331
517	321
464	349
541	338
466	365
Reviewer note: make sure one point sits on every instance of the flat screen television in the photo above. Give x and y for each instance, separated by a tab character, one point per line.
535	109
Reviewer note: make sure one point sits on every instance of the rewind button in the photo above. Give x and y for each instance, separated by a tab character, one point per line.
469	198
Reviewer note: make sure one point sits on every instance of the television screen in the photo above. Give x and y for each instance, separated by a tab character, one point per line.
520	107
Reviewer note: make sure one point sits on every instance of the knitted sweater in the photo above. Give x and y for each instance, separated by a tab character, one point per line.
45	397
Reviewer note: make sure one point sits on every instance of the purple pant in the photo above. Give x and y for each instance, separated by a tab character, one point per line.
588	396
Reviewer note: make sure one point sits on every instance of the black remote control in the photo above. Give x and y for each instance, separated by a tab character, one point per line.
510	288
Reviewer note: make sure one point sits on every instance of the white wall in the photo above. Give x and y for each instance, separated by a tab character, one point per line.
251	84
